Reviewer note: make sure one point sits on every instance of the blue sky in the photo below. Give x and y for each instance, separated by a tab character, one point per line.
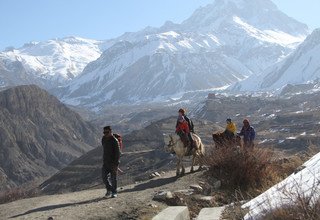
22	21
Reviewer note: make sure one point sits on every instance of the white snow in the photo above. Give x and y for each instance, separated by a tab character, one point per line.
59	59
271	36
301	67
306	182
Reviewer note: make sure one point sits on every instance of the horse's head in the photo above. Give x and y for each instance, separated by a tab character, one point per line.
216	136
169	144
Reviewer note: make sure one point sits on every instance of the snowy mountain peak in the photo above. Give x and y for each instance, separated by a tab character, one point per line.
300	67
221	43
56	60
262	14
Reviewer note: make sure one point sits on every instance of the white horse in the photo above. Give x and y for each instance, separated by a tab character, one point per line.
175	145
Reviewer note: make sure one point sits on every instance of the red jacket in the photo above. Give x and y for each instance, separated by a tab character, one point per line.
183	126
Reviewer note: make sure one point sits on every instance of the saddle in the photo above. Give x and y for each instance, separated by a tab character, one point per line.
187	144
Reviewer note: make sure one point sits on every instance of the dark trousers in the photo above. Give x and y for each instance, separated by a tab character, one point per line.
109	177
248	144
229	134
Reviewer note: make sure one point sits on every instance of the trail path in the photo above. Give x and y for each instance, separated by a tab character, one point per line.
133	202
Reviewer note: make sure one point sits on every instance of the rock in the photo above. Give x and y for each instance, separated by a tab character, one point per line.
196	188
152	205
186	192
163	196
174	212
207	198
217	185
210	213
153	175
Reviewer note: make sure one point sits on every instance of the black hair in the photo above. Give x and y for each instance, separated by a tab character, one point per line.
107	128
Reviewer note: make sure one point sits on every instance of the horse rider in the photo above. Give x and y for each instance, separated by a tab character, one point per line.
182	112
182	129
230	130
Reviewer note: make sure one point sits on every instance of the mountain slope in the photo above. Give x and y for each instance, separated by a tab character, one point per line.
220	44
51	62
143	154
300	67
39	135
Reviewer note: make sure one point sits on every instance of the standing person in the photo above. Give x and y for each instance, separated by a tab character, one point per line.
111	156
248	134
230	130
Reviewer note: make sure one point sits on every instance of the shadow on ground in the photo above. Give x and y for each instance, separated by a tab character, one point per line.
51	207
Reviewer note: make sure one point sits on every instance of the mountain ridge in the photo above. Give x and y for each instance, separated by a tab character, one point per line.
165	62
39	135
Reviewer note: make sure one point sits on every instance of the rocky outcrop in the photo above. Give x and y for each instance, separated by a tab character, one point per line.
38	135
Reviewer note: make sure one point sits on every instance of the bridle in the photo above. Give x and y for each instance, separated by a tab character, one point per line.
171	144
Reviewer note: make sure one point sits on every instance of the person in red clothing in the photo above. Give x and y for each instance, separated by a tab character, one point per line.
182	129
182	125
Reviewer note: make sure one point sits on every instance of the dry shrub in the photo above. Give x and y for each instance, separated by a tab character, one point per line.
17	193
241	168
301	208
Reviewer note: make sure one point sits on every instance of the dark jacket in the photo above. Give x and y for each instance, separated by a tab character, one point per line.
111	151
248	133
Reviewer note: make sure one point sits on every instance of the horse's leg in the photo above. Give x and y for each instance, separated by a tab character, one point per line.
192	164
200	161
178	166
183	170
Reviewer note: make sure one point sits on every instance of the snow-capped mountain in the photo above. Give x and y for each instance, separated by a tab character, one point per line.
49	63
220	44
302	66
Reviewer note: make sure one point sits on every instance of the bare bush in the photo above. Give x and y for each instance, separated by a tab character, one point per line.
242	169
298	205
17	193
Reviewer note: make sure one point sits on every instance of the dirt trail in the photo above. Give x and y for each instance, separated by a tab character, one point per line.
133	202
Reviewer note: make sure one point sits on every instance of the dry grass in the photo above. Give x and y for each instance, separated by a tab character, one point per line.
300	207
242	169
17	193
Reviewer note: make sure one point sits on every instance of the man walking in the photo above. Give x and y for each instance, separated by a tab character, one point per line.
111	155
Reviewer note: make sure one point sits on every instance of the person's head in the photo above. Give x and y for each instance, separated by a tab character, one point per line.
181	111
181	119
107	130
228	120
246	122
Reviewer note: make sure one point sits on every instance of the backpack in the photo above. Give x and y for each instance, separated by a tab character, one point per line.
119	138
190	123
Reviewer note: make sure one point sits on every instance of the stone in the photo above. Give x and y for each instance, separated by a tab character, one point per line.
207	198
153	175
217	185
152	205
196	188
186	192
163	195
210	213
173	213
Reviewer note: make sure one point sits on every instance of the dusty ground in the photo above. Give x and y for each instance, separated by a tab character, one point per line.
133	202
